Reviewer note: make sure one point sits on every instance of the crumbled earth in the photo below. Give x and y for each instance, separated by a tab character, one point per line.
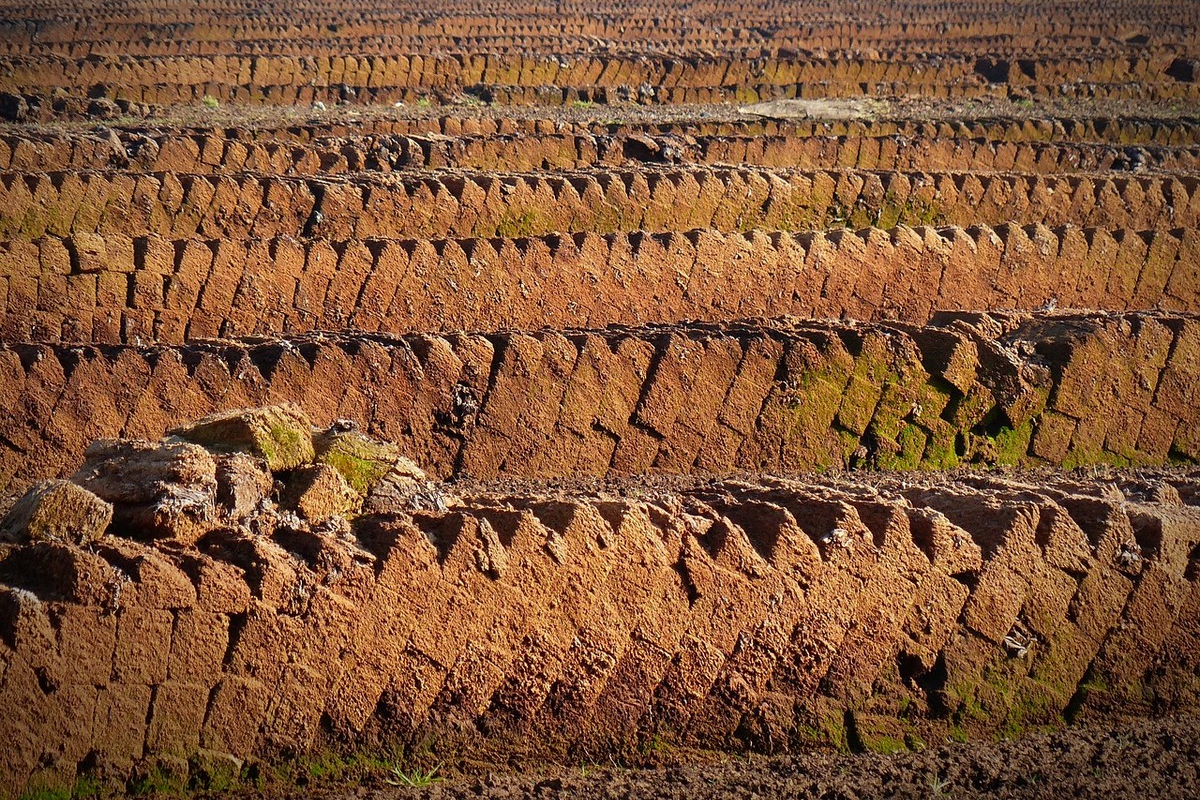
900	108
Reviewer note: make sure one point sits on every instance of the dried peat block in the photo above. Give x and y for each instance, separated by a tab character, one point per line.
57	511
281	435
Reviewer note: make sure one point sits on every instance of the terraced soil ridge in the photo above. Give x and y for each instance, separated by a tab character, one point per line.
628	27
115	289
501	323
769	614
218	137
1049	388
514	79
208	151
489	204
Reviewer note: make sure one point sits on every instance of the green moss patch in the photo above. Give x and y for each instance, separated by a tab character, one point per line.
280	435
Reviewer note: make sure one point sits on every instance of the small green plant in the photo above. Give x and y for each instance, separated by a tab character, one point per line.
885	745
415	778
513	225
87	786
939	786
1010	730
220	777
581	104
424	102
325	766
656	744
210	102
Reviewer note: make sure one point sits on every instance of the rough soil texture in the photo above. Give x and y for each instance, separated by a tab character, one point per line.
615	52
566	624
186	225
1114	762
502	317
154	289
1048	388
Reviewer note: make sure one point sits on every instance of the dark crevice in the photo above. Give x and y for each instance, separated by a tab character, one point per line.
1192	572
237	624
685	580
969	579
442	531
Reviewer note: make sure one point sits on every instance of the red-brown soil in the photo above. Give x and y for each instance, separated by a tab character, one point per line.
581	622
116	289
605	272
1062	389
150	234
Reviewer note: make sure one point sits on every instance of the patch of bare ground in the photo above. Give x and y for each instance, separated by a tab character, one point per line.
1156	759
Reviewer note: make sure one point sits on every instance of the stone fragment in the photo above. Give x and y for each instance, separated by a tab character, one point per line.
281	435
243	482
57	511
402	496
363	461
159	490
319	492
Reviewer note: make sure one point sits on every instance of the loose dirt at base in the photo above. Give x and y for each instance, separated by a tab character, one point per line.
1147	758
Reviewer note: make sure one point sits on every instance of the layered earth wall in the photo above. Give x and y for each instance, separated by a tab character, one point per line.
1022	389
605	273
719	614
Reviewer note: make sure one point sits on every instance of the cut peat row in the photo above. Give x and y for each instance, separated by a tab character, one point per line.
1005	389
190	152
902	29
458	203
507	385
514	79
113	289
786	125
767	614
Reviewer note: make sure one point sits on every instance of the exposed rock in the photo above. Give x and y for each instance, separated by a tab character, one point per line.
319	492
281	435
243	482
363	461
402	496
159	490
57	511
102	108
134	471
13	107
